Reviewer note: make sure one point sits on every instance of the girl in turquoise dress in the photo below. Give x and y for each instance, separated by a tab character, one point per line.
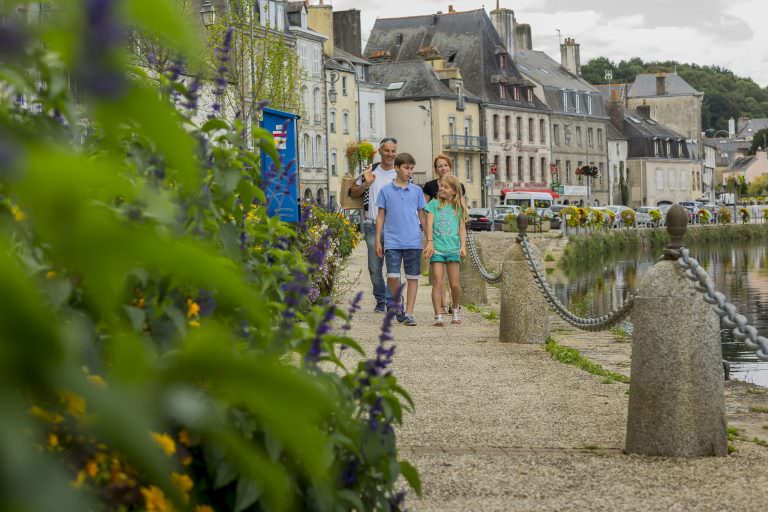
446	244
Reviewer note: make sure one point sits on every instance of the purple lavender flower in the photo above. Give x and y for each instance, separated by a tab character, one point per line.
354	307
192	94
349	473
98	71
323	328
222	55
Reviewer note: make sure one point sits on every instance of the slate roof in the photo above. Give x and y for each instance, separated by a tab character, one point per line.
418	81
619	90
743	163
553	78
645	86
641	133
752	127
613	133
466	40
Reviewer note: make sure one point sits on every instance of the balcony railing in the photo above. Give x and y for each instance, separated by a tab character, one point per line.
464	143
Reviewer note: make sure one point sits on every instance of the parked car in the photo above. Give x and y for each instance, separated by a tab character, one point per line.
643	216
479	219
500	215
548	214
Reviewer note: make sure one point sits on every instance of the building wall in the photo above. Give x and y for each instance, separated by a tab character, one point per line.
571	149
654	180
757	168
617	166
708	172
313	158
338	136
372	98
511	149
321	20
679	113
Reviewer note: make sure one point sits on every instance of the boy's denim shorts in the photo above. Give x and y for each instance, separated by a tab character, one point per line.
411	261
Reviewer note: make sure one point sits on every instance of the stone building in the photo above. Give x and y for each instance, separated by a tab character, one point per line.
660	165
312	145
512	124
579	122
749	167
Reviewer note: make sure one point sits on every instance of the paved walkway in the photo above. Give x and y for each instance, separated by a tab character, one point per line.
503	427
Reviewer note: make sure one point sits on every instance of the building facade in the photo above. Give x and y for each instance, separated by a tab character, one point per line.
466	51
312	128
579	123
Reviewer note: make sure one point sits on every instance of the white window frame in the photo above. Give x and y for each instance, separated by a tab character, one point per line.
672	179
659	180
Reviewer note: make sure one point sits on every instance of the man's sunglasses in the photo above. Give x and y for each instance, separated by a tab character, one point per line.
388	139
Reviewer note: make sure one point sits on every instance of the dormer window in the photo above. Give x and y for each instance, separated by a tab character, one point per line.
459	95
502	60
516	92
529	93
588	98
565	100
502	91
576	103
656	147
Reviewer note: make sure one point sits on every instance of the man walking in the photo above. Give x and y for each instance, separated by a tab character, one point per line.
368	185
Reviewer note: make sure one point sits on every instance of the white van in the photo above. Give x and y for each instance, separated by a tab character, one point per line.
536	200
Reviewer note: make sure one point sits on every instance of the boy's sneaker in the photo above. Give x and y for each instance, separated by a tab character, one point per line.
456	315
409	319
381	307
439	320
398	312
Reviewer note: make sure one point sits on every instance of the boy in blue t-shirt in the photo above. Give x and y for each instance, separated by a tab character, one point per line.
401	215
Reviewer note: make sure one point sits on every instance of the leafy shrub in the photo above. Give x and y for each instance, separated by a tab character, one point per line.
655	216
725	215
628	217
158	336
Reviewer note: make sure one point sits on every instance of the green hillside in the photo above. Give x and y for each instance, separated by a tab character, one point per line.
725	94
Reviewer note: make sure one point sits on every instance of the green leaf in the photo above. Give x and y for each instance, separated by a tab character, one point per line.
247	493
353	499
137	316
411	475
214	124
225	474
58	291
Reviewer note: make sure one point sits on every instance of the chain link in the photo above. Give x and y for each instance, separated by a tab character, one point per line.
588	324
729	315
478	264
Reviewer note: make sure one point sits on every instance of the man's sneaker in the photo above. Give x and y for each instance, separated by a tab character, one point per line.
381	307
409	319
439	320
456	315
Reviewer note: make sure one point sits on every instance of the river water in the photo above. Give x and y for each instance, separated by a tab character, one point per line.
740	271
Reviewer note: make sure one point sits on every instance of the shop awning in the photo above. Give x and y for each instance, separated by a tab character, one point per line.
555	195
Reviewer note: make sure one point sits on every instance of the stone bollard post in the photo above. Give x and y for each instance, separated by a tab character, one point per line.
524	316
471	282
676	403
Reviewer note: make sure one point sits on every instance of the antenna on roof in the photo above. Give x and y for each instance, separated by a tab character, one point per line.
559	37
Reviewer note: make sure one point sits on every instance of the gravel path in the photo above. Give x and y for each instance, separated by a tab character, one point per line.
503	427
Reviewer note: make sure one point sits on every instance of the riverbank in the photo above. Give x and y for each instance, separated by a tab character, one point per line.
504	427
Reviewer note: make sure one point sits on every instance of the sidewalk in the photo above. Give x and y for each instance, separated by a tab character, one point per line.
503	427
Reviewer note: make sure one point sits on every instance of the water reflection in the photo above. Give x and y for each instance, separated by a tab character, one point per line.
740	271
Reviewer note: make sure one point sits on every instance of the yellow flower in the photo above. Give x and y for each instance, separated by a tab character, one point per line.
39	413
194	323
203	508
184	438
50	274
80	480
53	440
183	482
193	308
165	442
154	500
91	468
97	381
18	215
186	460
75	404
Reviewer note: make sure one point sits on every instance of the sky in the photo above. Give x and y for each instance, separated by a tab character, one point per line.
732	34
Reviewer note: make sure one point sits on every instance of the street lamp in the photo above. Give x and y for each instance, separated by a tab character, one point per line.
208	13
428	109
333	96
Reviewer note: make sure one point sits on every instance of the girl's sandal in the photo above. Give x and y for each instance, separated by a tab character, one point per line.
439	320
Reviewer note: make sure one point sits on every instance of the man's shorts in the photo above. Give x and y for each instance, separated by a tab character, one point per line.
445	258
410	259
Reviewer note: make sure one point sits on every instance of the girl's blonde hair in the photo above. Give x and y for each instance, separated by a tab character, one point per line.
458	202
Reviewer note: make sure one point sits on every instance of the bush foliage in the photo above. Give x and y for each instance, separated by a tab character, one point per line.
160	346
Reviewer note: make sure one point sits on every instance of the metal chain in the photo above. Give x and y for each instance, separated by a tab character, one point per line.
478	264
729	315
588	324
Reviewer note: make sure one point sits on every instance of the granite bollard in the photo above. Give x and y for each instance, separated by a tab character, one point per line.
524	316
676	402
471	282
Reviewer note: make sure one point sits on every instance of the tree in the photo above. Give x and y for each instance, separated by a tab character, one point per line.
759	141
263	65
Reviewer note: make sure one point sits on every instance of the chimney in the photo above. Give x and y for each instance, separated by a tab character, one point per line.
504	22
741	123
644	111
616	113
450	9
731	128
346	33
523	37
320	19
661	85
569	56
